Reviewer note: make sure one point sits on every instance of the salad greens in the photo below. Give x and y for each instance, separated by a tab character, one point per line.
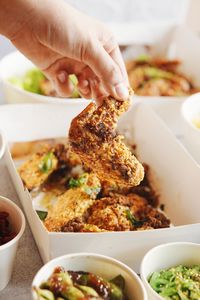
74	81
178	283
30	81
79	285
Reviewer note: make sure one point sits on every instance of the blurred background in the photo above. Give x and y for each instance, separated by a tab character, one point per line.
121	14
144	26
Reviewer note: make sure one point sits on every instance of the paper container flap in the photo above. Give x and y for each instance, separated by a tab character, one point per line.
129	247
170	163
32	122
183	44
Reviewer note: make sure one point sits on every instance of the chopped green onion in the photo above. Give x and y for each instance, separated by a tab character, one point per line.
47	163
42	214
133	220
73	183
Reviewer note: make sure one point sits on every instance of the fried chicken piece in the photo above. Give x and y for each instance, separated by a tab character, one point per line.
78	225
72	204
125	213
118	213
66	156
37	169
69	205
92	136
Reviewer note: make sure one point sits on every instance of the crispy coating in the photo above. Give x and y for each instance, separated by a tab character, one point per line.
69	205
63	159
66	156
110	214
31	173
92	136
72	204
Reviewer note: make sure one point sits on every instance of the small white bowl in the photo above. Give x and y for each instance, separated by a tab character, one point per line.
190	111
16	64
8	250
166	256
101	265
2	145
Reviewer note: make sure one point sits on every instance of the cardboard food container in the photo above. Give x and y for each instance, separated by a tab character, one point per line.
171	42
177	42
175	175
164	40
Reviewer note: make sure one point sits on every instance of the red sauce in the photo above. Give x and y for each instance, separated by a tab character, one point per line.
6	233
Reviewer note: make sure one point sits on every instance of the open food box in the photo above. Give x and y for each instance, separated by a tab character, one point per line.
170	42
175	176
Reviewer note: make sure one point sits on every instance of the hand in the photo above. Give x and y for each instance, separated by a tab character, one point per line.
62	41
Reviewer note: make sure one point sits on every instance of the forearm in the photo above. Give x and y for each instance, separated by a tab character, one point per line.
15	15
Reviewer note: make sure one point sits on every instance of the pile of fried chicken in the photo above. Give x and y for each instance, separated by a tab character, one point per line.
97	181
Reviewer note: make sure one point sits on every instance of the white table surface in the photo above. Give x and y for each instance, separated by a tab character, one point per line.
28	260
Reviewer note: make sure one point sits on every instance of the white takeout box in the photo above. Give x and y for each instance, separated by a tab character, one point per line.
172	42
175	174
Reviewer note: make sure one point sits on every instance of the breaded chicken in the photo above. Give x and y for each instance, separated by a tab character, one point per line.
69	205
66	156
122	213
72	204
118	213
37	169
110	213
92	136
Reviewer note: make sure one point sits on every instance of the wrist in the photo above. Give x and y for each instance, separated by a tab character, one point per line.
14	16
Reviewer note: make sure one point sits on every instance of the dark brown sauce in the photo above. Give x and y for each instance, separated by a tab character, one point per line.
6	232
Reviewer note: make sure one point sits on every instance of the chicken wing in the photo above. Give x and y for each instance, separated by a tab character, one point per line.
92	136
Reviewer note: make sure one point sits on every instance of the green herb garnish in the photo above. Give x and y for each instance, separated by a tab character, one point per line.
42	214
180	282
133	220
47	163
73	183
119	281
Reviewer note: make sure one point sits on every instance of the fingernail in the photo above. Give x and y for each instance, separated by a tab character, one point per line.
122	91
62	77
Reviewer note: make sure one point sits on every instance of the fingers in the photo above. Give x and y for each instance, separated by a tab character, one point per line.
90	86
108	71
117	57
63	84
59	73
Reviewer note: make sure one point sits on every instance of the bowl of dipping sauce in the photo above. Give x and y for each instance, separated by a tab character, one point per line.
12	225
